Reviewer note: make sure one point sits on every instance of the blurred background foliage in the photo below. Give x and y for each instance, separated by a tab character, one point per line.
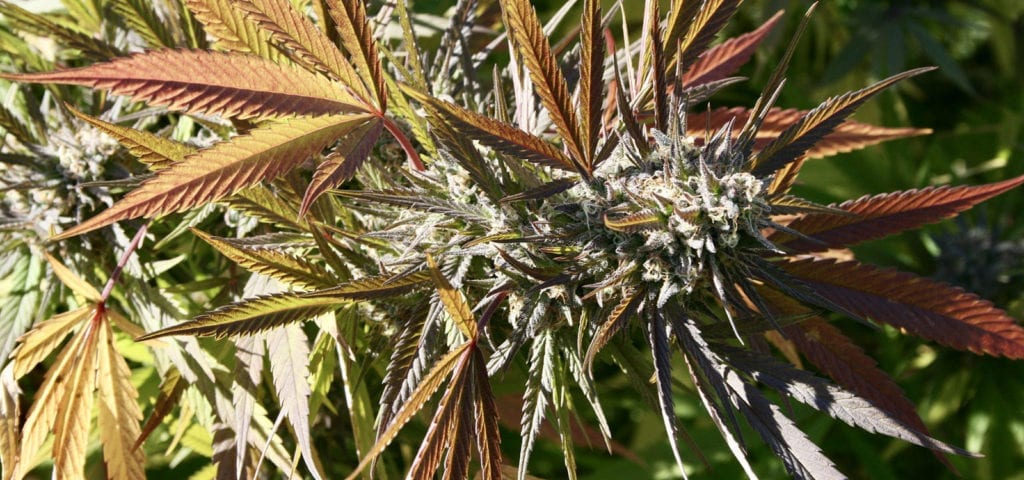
975	105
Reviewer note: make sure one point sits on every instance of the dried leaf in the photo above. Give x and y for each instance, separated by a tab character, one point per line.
72	280
225	168
197	81
923	307
887	214
341	165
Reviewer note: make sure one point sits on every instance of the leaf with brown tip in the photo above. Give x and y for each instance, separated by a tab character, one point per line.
527	35
211	174
727	57
816	124
198	81
883	215
939	312
343	161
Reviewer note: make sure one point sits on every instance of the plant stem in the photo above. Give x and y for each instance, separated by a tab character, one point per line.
116	274
404	141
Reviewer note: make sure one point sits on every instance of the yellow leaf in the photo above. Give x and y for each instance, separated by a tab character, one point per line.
71	428
73	281
453	302
36	344
119	412
10	419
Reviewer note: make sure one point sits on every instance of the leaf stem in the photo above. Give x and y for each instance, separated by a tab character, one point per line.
404	141
116	274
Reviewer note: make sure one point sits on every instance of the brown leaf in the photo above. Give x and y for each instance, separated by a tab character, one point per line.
342	163
727	57
357	38
197	81
929	309
225	168
886	214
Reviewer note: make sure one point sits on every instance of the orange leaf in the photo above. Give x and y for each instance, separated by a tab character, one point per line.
724	59
225	168
197	81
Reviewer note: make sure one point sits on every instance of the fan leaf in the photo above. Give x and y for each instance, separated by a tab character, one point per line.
620	315
233	30
700	32
454	303
796	140
357	38
155	151
219	171
36	344
929	309
371	288
119	413
252	315
288	352
727	57
272	262
342	163
886	214
591	78
197	81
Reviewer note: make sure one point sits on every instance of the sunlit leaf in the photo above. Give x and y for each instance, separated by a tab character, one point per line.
342	163
288	352
119	412
726	58
272	262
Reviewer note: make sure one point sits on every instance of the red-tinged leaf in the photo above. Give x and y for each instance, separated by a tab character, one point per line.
591	78
155	151
488	435
356	37
426	388
700	32
654	53
119	414
840	358
796	140
886	214
620	315
527	35
299	36
225	168
171	388
443	427
234	31
488	131
846	137
929	309
197	81
342	163
726	58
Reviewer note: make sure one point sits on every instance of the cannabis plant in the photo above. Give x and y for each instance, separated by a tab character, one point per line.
451	222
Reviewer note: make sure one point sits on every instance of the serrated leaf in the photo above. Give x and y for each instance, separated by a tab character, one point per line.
36	344
796	140
701	30
342	163
727	57
487	433
299	36
74	407
493	133
544	191
591	79
531	43
26	21
837	402
454	303
288	352
633	223
155	151
886	214
20	299
252	315
198	81
431	382
142	17
261	202
920	306
356	36
211	174
119	413
658	339
272	262
620	315
171	387
72	280
536	393
234	31
443	429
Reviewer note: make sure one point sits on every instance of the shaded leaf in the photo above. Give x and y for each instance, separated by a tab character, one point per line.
923	307
26	21
342	163
886	214
658	339
487	433
197	81
171	388
620	315
224	169
143	18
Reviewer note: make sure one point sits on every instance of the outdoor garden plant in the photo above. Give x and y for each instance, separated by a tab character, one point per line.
264	220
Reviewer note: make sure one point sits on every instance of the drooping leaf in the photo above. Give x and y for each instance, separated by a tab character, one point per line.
887	214
727	57
342	163
198	81
431	382
171	388
288	352
155	151
532	45
658	339
298	35
119	412
816	124
837	402
493	133
920	306
234	31
272	262
356	36
252	316
225	168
